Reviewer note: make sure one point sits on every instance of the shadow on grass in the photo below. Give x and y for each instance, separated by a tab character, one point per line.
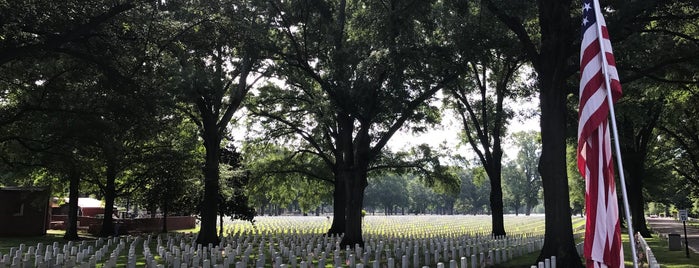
661	250
6	243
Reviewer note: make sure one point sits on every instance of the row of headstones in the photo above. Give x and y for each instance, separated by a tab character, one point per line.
322	225
196	255
472	232
302	238
463	246
440	251
333	242
481	260
547	263
399	247
70	254
193	254
84	255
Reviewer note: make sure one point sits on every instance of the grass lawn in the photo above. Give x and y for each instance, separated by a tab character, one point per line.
672	259
666	258
659	246
6	243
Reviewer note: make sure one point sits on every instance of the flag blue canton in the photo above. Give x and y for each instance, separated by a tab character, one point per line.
588	15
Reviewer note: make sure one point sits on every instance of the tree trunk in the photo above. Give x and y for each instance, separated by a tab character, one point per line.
496	204
354	172
635	140
339	207
634	184
558	240
220	224
209	207
556	51
164	218
73	195
353	233
109	196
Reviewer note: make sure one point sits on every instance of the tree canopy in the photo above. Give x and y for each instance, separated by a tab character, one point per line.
127	100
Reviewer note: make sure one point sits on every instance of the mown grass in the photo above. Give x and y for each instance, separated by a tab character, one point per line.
661	250
6	243
526	260
659	246
667	258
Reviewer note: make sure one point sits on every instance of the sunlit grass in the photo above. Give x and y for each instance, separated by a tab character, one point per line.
661	250
387	228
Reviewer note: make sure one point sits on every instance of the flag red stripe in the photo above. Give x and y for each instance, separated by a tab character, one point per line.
602	233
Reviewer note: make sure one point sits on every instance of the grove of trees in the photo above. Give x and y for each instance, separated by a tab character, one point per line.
218	107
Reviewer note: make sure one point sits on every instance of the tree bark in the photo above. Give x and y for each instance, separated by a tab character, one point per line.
73	195
556	51
636	139
209	207
558	240
353	233
496	204
354	170
109	196
165	211
339	207
634	184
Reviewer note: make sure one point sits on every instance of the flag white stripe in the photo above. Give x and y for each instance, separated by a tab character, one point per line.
602	243
593	103
601	230
589	37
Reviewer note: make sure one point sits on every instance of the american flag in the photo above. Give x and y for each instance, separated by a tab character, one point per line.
602	232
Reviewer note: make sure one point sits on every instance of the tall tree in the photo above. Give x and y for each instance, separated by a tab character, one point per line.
40	27
525	181
387	193
576	182
649	80
360	71
551	56
682	132
73	93
550	48
473	197
484	119
44	30
490	77
637	135
283	177
217	46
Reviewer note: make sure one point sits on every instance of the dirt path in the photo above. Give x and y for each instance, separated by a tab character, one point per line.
666	226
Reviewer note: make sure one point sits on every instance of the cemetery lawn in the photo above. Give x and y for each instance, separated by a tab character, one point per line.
414	227
6	243
666	258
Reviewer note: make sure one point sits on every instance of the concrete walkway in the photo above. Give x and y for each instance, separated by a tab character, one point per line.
665	226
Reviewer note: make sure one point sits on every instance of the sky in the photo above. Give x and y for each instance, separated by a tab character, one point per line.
448	131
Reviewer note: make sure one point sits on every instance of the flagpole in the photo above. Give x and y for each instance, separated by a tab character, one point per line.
610	102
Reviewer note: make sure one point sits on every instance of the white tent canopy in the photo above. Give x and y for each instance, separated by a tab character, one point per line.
87	202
